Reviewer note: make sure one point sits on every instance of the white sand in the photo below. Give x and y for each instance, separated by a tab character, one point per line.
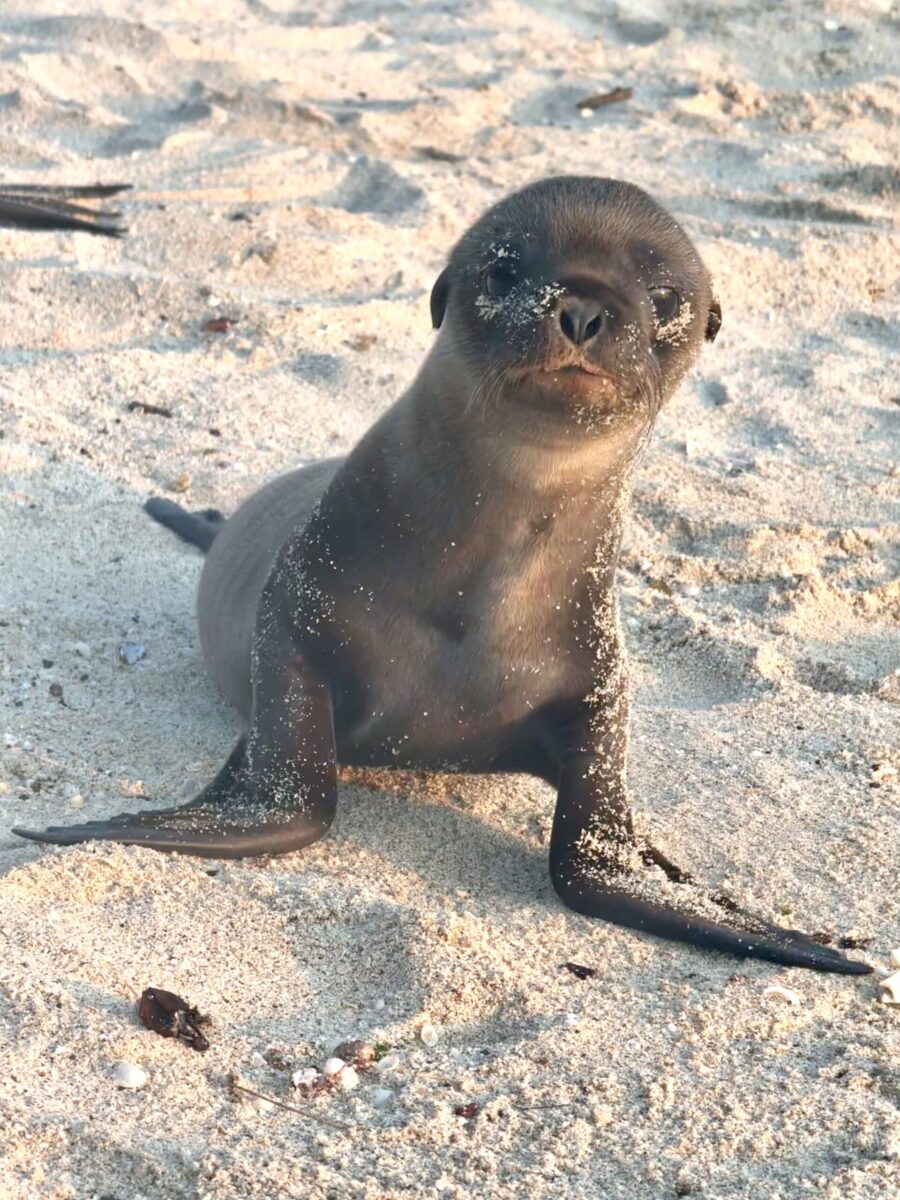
760	587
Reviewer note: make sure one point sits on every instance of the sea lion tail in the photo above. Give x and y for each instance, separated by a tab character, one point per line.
197	528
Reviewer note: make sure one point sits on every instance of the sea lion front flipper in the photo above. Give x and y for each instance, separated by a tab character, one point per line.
595	860
277	792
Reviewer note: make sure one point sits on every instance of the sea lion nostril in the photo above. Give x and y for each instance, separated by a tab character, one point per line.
581	320
593	327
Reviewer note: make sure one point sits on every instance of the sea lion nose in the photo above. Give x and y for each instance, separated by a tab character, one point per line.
581	320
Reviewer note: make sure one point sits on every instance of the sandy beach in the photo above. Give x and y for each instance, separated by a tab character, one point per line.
300	171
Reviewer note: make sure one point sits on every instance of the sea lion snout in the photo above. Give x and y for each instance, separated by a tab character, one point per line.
590	313
581	321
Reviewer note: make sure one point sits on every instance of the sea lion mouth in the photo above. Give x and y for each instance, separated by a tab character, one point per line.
563	367
558	388
574	371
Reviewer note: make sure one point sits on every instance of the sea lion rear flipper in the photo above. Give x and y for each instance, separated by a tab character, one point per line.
277	791
593	856
196	528
27	206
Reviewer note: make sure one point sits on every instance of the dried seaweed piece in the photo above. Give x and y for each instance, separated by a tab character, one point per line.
848	942
170	1016
437	154
155	410
856	943
467	1110
616	96
580	971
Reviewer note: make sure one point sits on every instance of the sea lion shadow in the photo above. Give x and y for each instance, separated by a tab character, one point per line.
115	1151
425	825
98	999
341	985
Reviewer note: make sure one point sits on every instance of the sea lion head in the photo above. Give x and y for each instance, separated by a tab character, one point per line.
578	300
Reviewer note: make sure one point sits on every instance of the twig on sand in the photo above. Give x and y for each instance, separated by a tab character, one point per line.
235	1086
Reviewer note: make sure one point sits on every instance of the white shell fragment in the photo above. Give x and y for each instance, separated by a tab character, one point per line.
131	653
129	1075
895	959
390	1062
348	1079
382	1097
429	1034
333	1065
775	989
890	988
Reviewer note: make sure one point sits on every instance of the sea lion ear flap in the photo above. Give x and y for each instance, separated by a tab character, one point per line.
713	320
439	295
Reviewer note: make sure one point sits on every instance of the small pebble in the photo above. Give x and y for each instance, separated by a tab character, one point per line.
895	958
882	773
379	1004
333	1065
382	1097
132	652
602	1115
261	1104
305	1078
390	1062
76	801
358	1053
348	1079
429	1034
181	483
129	1075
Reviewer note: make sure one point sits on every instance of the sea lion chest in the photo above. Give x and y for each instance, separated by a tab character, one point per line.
438	648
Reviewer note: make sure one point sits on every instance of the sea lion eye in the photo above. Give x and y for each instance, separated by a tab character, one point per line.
666	303
498	280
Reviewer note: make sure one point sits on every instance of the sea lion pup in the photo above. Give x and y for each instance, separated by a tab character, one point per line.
35	206
444	597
